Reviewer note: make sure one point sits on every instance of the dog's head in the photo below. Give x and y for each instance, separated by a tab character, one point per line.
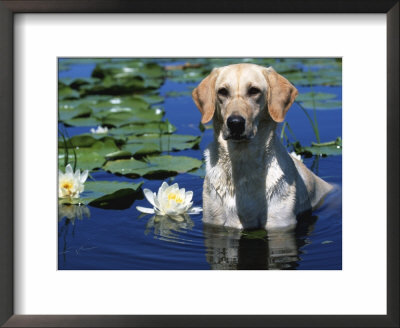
240	96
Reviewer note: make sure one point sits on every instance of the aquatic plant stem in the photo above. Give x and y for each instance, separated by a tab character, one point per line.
314	126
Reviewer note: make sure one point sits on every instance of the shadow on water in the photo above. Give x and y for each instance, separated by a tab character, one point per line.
231	249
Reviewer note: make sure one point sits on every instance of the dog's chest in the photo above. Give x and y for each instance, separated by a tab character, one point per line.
234	178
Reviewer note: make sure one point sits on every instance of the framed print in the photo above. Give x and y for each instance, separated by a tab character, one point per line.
117	213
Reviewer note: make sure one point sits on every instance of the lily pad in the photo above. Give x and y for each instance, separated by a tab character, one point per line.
147	128
108	194
154	166
319	105
88	140
126	77
83	121
132	116
151	99
165	142
117	104
67	112
139	150
67	93
316	96
88	158
320	149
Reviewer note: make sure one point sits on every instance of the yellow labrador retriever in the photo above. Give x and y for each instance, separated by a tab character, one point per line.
251	181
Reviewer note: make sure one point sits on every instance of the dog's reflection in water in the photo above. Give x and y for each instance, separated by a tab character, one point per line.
232	249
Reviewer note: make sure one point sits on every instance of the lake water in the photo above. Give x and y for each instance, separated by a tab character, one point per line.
122	240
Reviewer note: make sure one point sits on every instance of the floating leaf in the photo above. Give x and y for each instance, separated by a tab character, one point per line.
154	166
151	99
67	93
134	116
117	104
118	155
321	149
88	140
147	128
322	104
67	112
142	149
128	76
88	158
83	121
165	142
108	194
309	96
130	167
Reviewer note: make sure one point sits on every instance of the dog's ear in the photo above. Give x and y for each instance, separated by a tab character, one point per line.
281	94
204	96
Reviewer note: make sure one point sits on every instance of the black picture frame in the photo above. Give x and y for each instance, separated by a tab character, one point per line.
10	7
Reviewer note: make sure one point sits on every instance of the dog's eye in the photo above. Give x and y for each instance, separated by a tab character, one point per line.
254	91
223	92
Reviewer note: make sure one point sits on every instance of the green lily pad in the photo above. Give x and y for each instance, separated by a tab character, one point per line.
132	116
319	105
88	158
88	140
108	194
165	142
78	83
191	75
118	155
147	128
125	77
116	104
67	112
67	93
130	167
151	99
154	166
142	149
316	96
83	121
321	149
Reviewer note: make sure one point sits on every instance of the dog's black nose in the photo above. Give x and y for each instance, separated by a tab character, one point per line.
236	124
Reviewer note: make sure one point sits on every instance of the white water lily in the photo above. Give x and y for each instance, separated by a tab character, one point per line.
294	155
169	201
115	101
99	130
71	184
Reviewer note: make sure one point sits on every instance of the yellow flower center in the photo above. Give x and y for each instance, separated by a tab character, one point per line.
173	196
67	185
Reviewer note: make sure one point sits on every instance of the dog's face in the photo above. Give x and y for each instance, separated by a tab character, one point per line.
240	95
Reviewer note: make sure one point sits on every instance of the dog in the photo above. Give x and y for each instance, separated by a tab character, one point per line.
251	181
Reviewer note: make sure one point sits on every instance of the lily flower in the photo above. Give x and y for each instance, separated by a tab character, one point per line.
169	201
71	184
99	130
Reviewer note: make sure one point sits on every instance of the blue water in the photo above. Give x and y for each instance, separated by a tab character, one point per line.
120	239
